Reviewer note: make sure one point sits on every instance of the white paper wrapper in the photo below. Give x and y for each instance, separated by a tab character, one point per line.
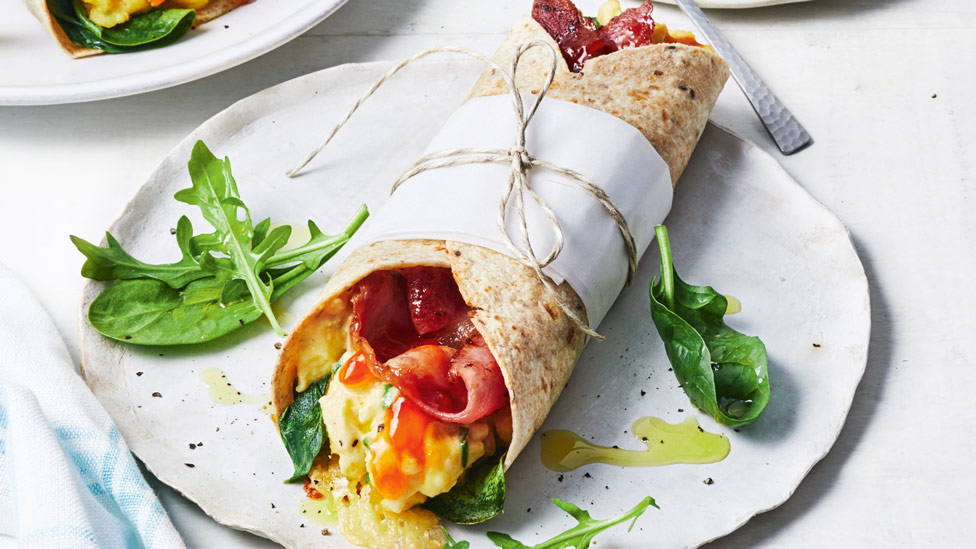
461	202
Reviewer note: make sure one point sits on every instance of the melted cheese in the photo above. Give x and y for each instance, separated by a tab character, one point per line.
364	522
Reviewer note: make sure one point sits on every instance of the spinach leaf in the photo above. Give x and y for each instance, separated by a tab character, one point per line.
302	429
723	372
224	280
151	29
579	536
480	498
149	312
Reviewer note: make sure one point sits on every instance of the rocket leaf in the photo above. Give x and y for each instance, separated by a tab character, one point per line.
224	280
579	536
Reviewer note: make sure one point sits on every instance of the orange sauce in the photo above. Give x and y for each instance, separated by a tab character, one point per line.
407	427
355	371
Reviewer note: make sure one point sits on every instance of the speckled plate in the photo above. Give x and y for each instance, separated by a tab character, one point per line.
739	223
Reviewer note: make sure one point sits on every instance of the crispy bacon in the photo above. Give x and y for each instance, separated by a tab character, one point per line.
475	367
434	299
632	28
460	386
381	314
422	374
414	333
578	37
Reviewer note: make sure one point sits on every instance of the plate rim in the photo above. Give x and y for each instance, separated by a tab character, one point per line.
86	332
313	13
736	4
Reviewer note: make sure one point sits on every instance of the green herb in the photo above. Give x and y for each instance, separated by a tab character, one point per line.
214	191
389	395
149	312
301	428
151	29
451	544
224	279
464	446
335	367
578	536
594	20
113	263
481	497
367	478
366	442
723	372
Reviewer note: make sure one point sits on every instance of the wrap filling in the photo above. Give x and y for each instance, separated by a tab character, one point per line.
418	397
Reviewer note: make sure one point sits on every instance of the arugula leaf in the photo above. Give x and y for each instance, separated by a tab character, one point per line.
480	498
302	429
224	280
114	263
151	29
578	536
723	372
451	544
319	248
214	191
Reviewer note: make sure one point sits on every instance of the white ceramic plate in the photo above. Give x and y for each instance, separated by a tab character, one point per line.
733	4
36	71
739	222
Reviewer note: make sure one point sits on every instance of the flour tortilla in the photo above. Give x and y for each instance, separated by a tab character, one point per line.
39	8
666	91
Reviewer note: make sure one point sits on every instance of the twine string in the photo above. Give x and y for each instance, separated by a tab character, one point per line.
517	185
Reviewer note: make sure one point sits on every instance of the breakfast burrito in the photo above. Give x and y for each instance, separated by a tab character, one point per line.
89	27
432	362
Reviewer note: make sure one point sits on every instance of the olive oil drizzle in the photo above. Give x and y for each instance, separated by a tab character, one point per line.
223	392
320	511
667	444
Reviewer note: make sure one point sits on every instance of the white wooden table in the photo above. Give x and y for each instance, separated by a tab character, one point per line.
884	86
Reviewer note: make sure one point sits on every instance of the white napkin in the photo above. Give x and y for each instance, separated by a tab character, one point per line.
67	478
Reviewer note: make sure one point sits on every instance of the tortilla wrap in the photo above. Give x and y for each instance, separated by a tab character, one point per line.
39	8
664	90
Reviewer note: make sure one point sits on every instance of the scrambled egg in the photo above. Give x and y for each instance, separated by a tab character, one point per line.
355	418
108	13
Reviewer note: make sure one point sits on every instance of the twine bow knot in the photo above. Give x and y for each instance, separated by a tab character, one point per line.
518	184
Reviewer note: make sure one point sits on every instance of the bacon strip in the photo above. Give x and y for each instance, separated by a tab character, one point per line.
434	299
454	386
415	336
578	37
381	315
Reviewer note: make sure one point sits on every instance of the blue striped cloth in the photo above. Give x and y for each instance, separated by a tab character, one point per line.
67	478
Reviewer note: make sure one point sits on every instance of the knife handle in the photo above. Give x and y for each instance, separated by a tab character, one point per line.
789	135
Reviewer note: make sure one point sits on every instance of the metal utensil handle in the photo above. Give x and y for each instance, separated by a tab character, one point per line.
786	130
